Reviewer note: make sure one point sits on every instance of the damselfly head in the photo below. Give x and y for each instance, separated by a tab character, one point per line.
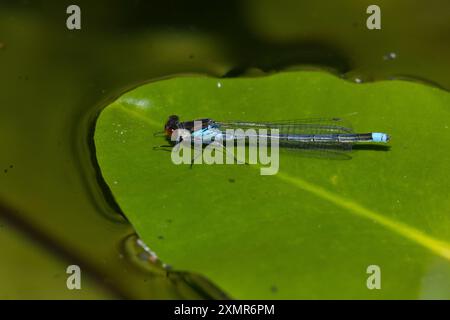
172	124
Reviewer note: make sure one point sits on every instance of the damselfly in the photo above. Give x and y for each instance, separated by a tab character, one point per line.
320	135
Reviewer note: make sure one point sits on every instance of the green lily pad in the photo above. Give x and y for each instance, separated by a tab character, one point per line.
313	229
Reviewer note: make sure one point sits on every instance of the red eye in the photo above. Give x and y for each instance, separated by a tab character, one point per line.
169	132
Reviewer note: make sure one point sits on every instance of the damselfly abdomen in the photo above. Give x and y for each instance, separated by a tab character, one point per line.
320	135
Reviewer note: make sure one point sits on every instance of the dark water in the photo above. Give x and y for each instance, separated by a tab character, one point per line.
54	82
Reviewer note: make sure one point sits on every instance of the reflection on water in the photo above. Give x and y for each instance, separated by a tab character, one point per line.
55	82
183	284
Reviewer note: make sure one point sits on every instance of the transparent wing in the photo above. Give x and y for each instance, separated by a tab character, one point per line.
317	126
292	127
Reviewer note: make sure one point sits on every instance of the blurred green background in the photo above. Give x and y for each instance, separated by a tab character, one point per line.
54	207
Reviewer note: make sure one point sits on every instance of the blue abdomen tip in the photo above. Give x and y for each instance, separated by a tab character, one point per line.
380	137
